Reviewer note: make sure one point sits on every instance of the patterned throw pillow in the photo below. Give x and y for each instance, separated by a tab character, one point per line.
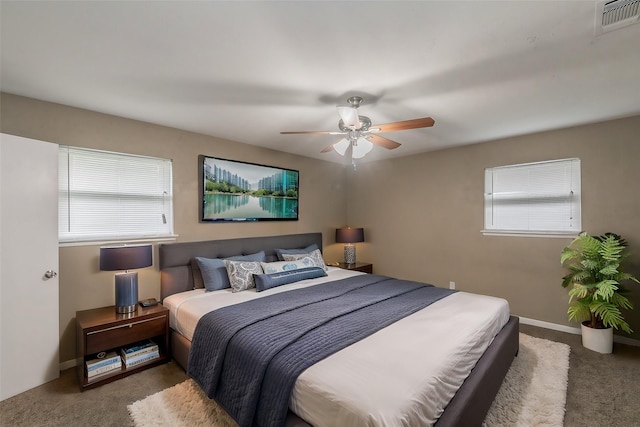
241	274
211	273
316	258
275	267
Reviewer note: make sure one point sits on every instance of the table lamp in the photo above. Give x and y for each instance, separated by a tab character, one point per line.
349	236
126	258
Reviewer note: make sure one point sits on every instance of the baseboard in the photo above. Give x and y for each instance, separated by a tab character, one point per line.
549	325
576	331
626	340
68	364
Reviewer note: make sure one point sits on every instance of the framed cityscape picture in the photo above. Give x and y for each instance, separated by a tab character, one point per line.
234	191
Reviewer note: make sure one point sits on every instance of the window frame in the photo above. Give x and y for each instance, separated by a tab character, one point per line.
547	193
80	204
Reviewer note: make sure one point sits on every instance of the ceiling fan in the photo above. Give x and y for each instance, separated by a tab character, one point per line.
359	134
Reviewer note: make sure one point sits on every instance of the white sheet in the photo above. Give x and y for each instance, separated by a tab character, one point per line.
403	375
186	308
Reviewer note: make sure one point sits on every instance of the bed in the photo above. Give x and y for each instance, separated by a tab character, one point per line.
315	389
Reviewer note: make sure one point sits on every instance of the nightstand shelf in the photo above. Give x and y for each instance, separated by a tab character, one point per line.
102	329
358	266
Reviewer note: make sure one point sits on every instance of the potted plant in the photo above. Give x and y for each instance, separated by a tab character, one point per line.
597	295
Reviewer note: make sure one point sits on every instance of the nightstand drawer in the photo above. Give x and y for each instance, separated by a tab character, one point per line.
126	333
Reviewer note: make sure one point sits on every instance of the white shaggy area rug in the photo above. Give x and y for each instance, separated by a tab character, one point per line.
532	394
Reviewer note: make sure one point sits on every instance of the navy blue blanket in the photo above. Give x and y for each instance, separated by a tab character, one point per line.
248	356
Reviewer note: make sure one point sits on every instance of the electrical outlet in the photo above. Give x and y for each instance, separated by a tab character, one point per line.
452	285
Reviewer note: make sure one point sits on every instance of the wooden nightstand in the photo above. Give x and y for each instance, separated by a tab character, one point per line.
358	266
102	329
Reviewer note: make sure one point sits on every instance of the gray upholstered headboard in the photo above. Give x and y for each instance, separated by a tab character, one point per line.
175	258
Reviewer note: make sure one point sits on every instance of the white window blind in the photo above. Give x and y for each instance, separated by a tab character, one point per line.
113	196
533	198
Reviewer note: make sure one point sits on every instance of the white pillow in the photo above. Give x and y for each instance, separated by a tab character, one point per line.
316	258
278	266
241	274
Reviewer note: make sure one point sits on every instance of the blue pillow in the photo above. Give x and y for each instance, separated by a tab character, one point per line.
258	257
311	247
214	271
268	281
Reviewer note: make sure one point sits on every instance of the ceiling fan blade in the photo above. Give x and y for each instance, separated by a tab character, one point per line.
406	124
383	142
340	147
314	132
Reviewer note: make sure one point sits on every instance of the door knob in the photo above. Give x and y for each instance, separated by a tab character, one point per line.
50	274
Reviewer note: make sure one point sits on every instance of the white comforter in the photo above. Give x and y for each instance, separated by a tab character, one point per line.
403	375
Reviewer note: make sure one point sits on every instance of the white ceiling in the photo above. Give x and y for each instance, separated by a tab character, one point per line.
245	71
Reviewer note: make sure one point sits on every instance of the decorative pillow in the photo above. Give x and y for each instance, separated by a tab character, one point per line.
198	283
211	273
241	274
268	281
275	267
310	248
258	256
316	258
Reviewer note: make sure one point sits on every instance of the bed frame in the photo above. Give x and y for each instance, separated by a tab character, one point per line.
468	407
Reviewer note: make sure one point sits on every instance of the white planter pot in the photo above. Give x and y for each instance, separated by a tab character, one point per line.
600	340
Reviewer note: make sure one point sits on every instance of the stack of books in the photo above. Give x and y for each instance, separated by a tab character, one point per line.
139	353
103	364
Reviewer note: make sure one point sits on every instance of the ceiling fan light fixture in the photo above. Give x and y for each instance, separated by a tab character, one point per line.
361	135
361	147
349	116
341	146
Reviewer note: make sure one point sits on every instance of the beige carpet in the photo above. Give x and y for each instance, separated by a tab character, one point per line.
532	394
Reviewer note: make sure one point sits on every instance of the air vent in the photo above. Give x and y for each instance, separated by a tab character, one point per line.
612	15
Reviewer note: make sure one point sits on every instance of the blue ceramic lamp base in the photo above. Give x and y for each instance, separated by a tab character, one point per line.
126	292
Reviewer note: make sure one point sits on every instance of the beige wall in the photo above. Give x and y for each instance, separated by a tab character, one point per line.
82	285
423	215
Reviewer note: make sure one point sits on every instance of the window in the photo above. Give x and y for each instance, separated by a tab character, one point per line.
533	199
113	196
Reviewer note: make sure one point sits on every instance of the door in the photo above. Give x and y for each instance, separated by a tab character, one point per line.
29	321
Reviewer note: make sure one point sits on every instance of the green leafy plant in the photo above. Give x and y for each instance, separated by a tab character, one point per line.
595	273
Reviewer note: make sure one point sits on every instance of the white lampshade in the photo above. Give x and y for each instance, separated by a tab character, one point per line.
349	116
341	147
362	147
